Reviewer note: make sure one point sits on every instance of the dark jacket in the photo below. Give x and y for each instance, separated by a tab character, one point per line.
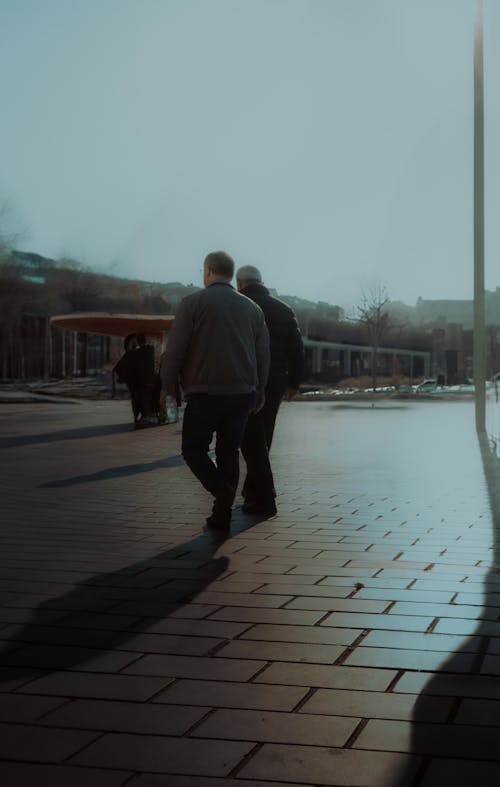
137	367
219	344
125	369
144	364
287	351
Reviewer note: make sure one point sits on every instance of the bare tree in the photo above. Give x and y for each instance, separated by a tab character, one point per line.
9	237
16	297
375	319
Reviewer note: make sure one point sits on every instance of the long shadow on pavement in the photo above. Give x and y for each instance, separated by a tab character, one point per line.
465	750
81	432
116	472
103	615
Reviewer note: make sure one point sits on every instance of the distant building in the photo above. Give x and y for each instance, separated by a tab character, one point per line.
445	311
461	312
433	337
33	267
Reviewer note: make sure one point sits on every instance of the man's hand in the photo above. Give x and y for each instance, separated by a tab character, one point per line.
260	400
290	393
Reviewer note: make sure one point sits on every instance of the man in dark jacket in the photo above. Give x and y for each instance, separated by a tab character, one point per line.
284	379
219	347
125	373
144	377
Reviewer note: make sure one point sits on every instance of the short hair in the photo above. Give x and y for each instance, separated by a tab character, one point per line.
129	339
220	263
249	273
141	339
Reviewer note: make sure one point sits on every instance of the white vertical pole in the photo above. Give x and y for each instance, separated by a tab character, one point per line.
49	371
479	348
63	352
75	353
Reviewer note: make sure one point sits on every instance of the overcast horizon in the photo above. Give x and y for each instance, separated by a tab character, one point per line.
329	143
370	295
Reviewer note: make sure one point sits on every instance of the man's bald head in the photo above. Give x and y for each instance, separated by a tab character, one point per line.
248	274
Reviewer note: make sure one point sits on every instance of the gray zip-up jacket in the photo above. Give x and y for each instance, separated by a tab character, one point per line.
218	344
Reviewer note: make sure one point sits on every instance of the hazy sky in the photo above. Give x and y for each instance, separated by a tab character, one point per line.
328	142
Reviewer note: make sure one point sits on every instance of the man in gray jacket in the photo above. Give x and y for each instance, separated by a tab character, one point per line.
219	347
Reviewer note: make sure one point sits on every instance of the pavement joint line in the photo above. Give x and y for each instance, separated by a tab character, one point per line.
355	734
351	648
322	619
432	625
392	685
216	648
260	672
64	704
455	707
244	761
130	779
321	579
210	712
310	693
98	737
480	656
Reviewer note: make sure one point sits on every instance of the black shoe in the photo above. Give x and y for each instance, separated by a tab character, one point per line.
219	520
260	509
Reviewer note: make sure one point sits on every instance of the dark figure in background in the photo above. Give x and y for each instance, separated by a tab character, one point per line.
219	347
143	362
125	372
284	379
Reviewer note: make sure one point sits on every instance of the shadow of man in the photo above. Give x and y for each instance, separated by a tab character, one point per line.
76	433
462	748
102	616
120	471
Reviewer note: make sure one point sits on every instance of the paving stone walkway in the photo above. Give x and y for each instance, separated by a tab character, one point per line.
352	640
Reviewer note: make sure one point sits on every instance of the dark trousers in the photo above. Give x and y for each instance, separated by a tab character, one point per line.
134	400
146	399
255	445
226	416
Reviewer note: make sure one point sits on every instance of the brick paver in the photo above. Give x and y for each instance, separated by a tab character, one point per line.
353	639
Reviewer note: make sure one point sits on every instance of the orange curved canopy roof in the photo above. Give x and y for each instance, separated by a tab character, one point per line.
109	324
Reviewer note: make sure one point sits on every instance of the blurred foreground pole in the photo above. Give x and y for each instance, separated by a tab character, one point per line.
479	350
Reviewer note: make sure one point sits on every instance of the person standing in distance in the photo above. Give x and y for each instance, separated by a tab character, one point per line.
125	373
284	378
219	348
144	376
